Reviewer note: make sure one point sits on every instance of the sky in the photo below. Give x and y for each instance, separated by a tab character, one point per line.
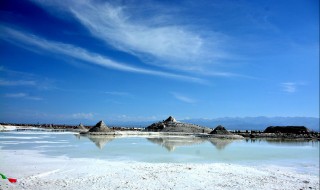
88	60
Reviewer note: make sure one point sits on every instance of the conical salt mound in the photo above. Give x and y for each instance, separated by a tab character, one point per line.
170	119
50	126
220	130
100	127
81	127
2	128
172	125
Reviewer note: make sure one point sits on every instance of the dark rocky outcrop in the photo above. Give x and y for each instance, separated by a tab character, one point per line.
220	130
100	127
287	129
172	125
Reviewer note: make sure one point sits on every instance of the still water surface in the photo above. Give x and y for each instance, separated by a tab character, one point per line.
302	155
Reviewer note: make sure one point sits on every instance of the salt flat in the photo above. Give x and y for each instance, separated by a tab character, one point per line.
36	171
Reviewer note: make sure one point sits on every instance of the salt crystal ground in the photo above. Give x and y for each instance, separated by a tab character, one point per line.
36	171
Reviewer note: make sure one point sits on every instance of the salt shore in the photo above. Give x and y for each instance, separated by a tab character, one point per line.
36	171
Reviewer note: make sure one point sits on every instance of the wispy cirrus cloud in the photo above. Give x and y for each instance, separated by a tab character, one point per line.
13	78
123	118
162	42
4	82
14	72
87	116
118	93
28	41
22	95
183	98
49	117
16	95
290	87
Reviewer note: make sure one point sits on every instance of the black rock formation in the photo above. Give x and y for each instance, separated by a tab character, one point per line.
287	129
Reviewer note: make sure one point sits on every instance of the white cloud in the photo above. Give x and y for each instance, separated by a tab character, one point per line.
61	117
82	116
183	98
14	72
14	78
82	54
291	87
22	95
133	118
167	43
16	95
17	83
118	93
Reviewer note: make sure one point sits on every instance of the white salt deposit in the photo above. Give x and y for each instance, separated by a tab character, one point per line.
36	171
16	137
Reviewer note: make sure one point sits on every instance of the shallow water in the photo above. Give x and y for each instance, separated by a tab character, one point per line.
302	155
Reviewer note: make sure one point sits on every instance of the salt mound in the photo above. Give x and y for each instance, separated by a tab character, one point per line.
100	127
2	128
220	130
81	127
172	125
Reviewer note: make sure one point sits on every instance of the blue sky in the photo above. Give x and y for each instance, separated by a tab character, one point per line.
82	61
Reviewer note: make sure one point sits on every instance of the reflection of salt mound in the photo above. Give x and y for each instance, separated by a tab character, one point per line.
100	127
100	141
78	136
170	143
220	143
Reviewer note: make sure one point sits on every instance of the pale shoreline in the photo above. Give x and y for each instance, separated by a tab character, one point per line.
127	133
37	171
135	133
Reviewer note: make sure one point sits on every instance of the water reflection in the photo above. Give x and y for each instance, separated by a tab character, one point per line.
170	143
287	142
101	141
78	136
220	143
292	142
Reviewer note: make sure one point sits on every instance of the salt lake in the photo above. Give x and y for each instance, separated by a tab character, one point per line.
301	155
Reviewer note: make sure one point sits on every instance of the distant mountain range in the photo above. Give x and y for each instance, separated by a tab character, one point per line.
244	123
